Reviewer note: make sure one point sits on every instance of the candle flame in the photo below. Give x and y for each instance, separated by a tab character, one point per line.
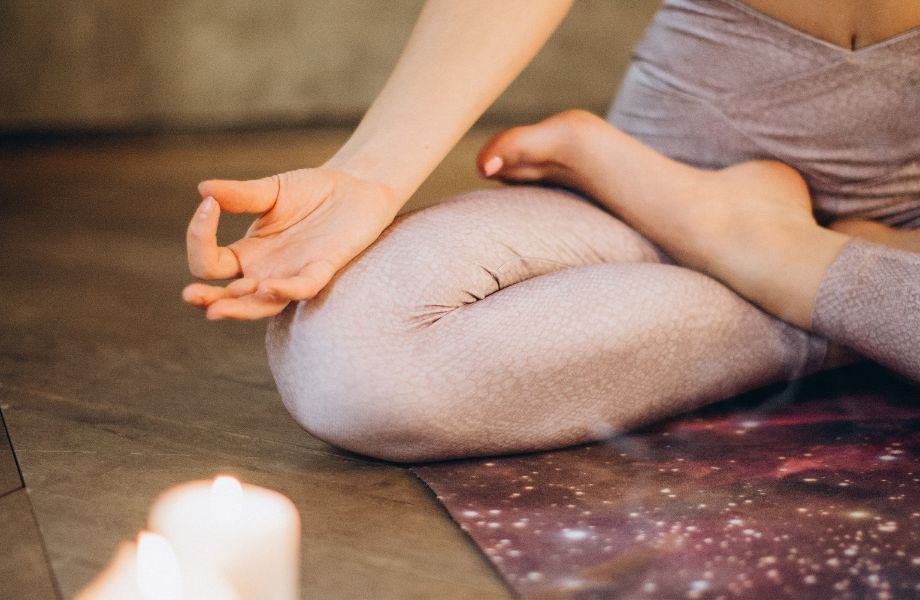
158	575
226	498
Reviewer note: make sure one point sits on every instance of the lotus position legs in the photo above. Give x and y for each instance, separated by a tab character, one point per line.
528	318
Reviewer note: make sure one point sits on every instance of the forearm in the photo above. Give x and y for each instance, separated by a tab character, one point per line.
460	58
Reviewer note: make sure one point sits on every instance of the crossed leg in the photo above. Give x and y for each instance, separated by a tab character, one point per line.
513	320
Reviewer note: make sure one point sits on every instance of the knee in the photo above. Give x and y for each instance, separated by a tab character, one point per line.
351	390
347	363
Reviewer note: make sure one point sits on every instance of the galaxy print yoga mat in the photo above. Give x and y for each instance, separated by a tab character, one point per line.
805	491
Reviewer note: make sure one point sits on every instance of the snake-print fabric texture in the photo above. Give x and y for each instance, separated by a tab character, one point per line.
517	319
869	300
715	83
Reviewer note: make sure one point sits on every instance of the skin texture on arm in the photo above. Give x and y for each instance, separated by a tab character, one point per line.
312	222
460	57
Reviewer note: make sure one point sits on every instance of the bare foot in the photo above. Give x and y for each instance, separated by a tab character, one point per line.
749	225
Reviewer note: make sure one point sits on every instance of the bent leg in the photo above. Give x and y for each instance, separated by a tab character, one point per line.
515	320
869	300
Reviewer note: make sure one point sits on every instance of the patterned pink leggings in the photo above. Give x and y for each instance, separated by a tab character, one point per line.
527	318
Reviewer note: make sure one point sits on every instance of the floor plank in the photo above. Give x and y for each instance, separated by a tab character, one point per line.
24	572
9	470
113	390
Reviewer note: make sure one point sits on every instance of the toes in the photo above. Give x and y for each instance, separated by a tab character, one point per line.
501	153
523	173
524	153
492	166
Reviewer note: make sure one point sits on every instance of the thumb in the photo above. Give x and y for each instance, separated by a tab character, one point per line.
253	196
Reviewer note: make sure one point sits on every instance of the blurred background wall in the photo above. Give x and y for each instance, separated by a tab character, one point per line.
111	65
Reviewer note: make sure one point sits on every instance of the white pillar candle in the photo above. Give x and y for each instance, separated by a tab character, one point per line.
118	580
149	570
248	535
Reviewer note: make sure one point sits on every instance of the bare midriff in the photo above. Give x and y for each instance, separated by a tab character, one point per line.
850	24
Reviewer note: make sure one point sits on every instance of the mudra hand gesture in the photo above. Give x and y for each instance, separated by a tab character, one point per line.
311	223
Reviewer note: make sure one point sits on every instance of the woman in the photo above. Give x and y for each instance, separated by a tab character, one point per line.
528	318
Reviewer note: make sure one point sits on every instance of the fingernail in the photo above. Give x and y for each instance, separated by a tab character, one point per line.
492	166
207	205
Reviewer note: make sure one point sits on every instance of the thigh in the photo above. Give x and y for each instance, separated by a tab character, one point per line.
344	356
516	320
463	250
576	355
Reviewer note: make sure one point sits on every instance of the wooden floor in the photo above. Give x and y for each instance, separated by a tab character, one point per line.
112	390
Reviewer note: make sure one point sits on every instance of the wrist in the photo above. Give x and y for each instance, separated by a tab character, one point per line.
390	196
375	166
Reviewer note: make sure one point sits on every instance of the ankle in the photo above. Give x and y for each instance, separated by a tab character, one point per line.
780	268
902	239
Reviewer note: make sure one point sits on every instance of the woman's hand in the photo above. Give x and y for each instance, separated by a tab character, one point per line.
460	57
312	223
